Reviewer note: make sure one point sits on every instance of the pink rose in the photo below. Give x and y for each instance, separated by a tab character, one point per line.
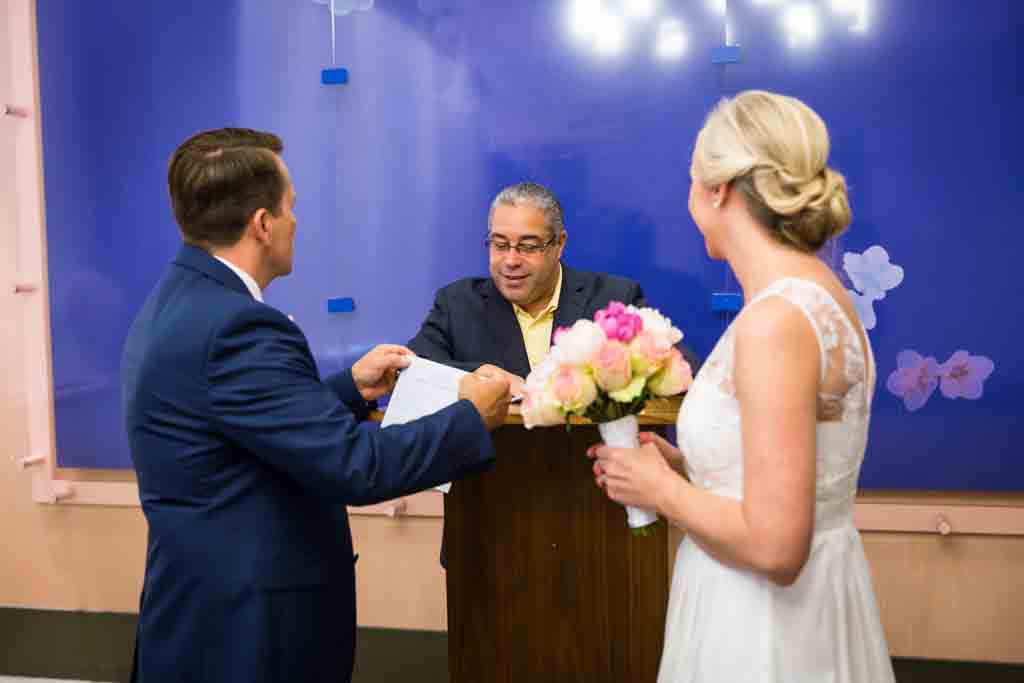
650	352
618	322
611	366
573	388
674	378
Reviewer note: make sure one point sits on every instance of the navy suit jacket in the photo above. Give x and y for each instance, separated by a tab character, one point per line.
471	323
246	461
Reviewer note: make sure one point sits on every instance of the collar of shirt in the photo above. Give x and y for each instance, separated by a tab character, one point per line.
247	279
527	319
536	331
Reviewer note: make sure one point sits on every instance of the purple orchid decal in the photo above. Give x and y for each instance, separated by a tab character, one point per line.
871	272
865	309
964	375
914	379
872	276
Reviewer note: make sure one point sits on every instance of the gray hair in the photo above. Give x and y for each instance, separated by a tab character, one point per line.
534	195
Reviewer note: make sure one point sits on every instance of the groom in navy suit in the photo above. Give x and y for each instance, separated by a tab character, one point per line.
245	458
505	322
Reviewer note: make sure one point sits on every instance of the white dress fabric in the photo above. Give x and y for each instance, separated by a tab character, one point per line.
732	625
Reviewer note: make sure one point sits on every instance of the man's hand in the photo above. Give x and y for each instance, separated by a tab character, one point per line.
488	391
515	382
375	373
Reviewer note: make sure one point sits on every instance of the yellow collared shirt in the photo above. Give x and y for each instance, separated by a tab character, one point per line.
537	330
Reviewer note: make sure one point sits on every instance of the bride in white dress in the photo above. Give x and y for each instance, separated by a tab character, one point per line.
771	584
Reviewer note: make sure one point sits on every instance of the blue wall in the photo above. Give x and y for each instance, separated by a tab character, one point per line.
451	100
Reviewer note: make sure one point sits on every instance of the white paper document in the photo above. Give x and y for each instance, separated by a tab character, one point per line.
423	388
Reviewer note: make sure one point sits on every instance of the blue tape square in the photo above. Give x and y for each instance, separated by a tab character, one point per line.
723	302
341	305
727	54
335	76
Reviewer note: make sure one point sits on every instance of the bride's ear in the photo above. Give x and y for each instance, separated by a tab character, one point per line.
720	195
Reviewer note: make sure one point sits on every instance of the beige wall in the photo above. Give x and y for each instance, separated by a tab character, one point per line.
956	597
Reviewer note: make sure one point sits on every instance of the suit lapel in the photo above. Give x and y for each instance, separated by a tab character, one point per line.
571	300
507	335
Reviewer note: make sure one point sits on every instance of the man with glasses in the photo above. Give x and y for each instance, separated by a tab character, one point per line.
507	320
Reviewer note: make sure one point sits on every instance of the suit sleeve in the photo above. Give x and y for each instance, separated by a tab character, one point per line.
434	340
639	301
266	397
344	387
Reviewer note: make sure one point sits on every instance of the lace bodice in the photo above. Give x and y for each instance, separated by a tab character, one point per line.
709	425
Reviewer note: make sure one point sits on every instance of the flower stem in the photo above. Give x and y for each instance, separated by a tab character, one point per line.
643	531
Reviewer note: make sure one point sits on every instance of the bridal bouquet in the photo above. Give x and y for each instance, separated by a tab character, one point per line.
605	369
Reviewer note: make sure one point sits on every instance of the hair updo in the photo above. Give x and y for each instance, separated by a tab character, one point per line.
774	151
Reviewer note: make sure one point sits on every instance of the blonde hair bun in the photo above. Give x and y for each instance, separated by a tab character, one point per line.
774	149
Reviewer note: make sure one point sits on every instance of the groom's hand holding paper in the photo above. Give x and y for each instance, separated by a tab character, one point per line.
375	373
494	407
488	390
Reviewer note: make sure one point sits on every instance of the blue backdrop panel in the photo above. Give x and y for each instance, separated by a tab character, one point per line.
447	101
118	81
923	106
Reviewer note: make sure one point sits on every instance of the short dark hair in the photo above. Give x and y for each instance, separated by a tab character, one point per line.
218	178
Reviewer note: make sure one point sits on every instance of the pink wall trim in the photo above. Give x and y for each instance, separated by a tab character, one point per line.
935	516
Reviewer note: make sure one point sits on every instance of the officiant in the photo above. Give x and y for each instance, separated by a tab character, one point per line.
507	320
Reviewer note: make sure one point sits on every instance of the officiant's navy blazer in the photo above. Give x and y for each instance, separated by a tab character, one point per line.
471	323
245	462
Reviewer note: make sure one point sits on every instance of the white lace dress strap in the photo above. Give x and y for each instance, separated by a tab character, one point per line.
807	303
845	363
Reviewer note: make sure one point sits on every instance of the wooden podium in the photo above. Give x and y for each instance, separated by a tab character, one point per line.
545	580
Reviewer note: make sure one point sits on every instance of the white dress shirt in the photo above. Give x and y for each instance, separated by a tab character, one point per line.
250	283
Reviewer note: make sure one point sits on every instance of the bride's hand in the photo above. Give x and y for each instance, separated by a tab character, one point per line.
631	476
673	456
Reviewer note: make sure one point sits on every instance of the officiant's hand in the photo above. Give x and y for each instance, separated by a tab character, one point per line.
375	373
673	456
631	476
488	392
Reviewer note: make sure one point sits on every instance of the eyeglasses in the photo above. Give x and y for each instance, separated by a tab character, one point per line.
527	247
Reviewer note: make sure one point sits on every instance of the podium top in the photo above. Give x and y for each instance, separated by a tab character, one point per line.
659	411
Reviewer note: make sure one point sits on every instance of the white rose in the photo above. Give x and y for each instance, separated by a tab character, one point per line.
541	409
658	325
580	343
538	378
